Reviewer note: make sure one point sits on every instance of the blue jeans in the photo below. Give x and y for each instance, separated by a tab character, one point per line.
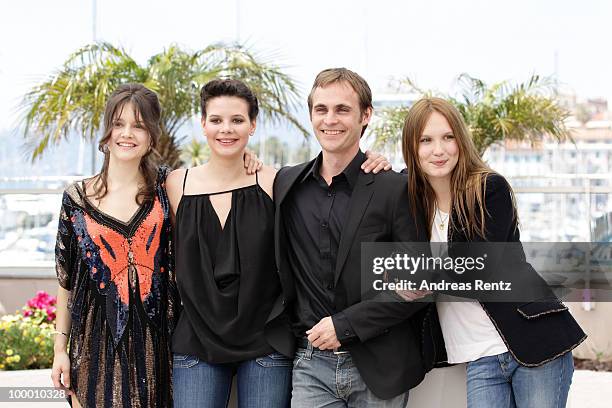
500	381
325	379
262	382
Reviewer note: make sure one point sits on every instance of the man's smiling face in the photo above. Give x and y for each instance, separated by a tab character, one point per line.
336	117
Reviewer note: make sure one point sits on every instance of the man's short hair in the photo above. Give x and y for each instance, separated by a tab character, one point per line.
354	80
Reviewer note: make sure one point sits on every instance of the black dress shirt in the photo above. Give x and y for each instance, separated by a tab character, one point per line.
316	214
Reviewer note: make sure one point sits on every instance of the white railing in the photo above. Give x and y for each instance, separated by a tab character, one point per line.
553	208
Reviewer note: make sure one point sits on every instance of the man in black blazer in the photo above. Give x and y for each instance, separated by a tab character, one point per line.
350	351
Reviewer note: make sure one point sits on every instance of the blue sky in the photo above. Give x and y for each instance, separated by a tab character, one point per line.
432	41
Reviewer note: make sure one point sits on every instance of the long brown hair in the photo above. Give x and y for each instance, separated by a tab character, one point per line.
148	111
468	178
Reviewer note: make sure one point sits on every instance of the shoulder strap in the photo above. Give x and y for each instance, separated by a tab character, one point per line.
256	177
185	180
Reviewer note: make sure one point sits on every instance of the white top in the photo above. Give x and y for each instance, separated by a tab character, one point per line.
468	332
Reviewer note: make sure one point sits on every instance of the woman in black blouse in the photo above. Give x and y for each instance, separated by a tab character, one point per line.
517	354
226	272
224	222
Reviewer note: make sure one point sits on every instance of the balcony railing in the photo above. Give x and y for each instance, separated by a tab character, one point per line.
552	208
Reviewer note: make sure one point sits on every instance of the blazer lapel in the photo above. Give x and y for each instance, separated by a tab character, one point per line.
288	179
360	199
285	182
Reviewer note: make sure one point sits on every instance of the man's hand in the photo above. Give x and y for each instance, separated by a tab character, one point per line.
410	295
375	162
251	161
323	335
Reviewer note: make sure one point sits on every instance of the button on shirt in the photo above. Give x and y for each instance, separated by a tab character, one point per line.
315	215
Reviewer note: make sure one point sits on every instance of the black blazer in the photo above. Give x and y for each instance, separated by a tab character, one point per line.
534	332
395	347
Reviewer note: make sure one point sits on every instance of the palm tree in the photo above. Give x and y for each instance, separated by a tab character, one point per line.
73	98
195	153
525	111
302	153
276	152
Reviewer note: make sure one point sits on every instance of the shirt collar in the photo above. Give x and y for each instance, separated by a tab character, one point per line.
350	172
313	171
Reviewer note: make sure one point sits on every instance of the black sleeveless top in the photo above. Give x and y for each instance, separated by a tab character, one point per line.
226	276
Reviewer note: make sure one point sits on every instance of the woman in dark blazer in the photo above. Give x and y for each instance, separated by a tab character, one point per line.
517	354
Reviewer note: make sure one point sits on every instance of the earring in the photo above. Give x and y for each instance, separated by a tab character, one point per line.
105	148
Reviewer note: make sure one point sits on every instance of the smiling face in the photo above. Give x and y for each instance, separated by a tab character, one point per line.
337	119
438	150
129	139
227	125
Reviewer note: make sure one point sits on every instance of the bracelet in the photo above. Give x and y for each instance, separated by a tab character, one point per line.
59	332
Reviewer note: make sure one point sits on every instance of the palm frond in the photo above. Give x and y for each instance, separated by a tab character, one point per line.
73	98
277	92
525	111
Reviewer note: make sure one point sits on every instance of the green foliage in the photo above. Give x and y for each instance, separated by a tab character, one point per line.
196	153
276	152
525	111
24	343
73	98
303	153
26	337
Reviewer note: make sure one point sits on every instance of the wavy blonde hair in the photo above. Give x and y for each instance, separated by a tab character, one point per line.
468	178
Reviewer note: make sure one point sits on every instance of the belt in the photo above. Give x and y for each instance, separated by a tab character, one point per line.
303	342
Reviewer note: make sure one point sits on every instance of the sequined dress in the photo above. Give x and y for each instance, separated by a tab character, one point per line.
122	301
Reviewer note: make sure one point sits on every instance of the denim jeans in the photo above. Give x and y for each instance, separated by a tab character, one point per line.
500	381
262	382
326	379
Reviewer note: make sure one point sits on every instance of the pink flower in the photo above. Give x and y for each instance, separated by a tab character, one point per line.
41	305
50	312
41	300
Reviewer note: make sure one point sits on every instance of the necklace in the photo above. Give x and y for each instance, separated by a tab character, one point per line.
441	222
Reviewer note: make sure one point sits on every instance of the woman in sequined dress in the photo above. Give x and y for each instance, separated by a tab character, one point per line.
116	302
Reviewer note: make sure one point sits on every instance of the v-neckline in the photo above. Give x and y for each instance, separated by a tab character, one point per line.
208	195
229	213
127	225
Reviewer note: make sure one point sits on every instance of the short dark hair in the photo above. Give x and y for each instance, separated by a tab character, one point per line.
229	87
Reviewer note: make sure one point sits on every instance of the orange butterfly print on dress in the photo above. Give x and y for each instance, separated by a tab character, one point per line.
120	264
119	253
